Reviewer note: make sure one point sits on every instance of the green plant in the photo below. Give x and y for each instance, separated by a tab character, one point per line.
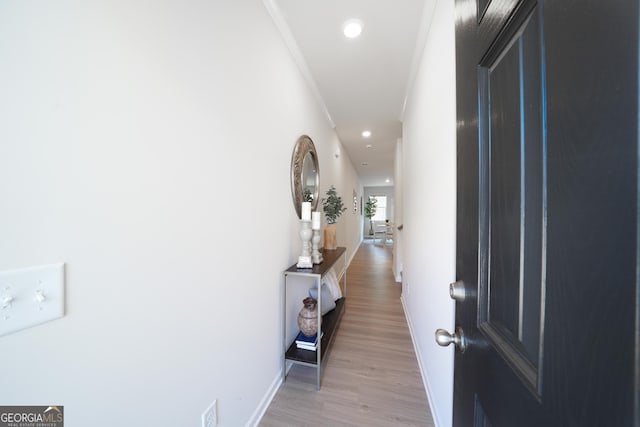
369	211
332	205
307	196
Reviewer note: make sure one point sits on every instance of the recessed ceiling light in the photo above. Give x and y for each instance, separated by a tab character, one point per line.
352	28
387	180
366	133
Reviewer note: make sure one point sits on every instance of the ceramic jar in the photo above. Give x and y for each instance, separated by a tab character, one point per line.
308	317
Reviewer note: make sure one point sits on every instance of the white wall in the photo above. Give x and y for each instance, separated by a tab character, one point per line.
147	145
429	208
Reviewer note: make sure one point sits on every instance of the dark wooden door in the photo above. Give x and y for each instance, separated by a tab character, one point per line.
547	237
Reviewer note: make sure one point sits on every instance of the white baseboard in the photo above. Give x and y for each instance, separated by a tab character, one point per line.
354	253
397	275
425	380
266	400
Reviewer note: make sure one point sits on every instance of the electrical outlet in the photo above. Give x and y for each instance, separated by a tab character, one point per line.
210	415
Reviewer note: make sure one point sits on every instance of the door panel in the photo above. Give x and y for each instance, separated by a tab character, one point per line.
480	418
547	235
510	94
592	256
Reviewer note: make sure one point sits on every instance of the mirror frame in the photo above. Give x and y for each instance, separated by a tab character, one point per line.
304	145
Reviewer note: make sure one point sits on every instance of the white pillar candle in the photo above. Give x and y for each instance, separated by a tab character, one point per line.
306	211
315	220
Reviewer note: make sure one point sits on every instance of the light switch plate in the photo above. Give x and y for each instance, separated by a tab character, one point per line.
30	296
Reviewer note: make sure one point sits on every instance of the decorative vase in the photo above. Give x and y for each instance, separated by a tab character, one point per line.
330	237
308	317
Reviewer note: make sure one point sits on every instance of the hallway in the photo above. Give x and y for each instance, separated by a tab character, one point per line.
372	376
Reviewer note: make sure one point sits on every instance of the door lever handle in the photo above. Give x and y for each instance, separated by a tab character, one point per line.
444	338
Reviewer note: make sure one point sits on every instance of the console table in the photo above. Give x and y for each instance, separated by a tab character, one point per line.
328	323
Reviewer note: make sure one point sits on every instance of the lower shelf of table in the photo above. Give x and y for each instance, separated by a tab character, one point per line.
330	322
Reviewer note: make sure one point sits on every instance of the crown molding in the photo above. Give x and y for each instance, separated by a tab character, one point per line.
280	22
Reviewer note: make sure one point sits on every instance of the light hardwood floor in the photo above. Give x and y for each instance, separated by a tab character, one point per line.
372	376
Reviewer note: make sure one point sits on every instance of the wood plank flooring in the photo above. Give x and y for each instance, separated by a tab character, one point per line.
372	376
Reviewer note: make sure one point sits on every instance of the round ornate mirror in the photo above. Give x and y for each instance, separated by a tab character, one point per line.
305	174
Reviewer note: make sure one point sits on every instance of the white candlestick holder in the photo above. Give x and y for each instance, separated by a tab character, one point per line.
315	254
304	260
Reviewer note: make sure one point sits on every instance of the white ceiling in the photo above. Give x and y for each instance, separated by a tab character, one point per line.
362	82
